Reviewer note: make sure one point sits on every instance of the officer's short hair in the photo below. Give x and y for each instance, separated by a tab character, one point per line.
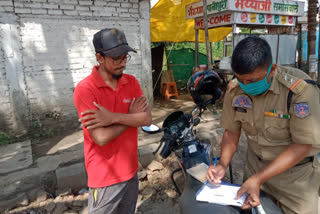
249	54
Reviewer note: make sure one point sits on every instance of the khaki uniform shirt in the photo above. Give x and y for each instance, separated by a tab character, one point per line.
270	129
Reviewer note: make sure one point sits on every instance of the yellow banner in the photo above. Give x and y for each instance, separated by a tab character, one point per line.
168	23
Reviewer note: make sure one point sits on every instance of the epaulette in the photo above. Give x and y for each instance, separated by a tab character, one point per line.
232	84
293	83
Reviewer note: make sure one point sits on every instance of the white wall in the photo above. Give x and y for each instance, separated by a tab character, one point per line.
46	49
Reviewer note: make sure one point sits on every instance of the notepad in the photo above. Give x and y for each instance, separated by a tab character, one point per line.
223	194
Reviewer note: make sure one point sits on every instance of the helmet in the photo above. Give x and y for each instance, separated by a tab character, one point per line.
204	87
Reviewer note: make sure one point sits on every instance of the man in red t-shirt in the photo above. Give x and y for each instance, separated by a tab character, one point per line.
111	106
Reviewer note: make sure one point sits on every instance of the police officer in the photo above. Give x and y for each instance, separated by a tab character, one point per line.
282	145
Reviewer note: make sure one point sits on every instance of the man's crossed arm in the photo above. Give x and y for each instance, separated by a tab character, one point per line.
104	126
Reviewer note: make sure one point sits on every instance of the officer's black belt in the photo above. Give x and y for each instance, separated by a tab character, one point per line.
303	161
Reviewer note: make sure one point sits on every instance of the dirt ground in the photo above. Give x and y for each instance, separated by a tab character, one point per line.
157	194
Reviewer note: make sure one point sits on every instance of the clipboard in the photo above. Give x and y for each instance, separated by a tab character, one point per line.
224	194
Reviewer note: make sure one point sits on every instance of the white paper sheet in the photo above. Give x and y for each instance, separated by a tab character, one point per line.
223	194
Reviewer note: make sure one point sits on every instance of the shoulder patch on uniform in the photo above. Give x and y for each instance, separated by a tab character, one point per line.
301	109
294	84
232	84
242	101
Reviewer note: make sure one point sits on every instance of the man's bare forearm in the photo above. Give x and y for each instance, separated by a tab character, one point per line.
104	135
229	145
284	161
134	120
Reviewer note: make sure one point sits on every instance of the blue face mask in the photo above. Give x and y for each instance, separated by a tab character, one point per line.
258	87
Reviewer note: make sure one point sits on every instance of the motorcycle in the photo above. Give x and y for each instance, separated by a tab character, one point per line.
179	137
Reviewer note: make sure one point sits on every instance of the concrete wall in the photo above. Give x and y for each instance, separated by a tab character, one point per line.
46	49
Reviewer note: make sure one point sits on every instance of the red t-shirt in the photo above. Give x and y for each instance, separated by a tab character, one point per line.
117	161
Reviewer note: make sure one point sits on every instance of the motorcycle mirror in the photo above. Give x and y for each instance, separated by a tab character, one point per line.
196	121
151	129
195	110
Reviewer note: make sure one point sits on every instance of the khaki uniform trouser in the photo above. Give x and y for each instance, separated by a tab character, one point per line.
295	190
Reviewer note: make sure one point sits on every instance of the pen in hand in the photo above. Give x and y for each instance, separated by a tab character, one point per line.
214	164
215	161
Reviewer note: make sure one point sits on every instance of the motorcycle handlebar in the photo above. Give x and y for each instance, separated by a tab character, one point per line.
166	150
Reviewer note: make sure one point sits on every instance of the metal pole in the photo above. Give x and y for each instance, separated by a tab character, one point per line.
224	47
234	28
196	47
300	48
278	41
211	53
205	20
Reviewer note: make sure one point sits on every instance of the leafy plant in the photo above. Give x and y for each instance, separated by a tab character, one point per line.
36	124
54	115
5	138
40	131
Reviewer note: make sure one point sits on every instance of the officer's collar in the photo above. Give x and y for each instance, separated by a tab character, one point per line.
274	87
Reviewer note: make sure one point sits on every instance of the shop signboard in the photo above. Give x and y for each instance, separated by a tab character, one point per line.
215	20
263	19
229	18
273	7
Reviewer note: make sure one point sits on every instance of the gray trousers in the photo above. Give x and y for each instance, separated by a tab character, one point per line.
119	198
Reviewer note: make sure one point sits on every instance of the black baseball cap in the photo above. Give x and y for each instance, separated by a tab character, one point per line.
111	42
